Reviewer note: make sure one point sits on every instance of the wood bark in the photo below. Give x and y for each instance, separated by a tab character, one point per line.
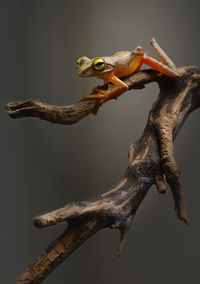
151	161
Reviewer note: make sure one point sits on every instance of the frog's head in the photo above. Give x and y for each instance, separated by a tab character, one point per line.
96	67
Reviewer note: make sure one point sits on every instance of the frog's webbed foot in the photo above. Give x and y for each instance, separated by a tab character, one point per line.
97	89
101	95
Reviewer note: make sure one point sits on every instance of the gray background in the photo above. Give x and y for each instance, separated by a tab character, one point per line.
45	166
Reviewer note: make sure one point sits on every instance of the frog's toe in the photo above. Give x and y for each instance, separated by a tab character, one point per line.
86	97
99	91
96	89
98	97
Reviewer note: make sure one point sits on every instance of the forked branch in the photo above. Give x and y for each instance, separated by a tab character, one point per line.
151	158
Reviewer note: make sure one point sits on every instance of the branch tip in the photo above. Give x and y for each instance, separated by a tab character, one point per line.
160	184
124	233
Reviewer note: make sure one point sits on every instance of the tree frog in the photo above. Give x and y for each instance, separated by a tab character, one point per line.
122	64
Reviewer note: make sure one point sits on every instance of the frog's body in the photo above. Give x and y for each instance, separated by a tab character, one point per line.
125	62
122	64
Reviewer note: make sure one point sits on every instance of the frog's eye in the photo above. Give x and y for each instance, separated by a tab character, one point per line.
99	64
79	61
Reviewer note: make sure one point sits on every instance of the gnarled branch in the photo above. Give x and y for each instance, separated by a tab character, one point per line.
150	159
73	113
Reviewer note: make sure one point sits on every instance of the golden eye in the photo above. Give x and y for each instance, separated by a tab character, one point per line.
79	61
99	64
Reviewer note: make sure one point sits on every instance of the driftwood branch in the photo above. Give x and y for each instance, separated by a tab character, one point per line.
151	159
73	113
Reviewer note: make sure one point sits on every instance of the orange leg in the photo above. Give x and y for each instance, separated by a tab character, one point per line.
103	96
100	96
166	67
164	57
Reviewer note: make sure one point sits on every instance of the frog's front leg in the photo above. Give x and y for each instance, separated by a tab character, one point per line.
102	95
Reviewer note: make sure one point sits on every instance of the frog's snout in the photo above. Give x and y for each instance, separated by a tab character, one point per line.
82	73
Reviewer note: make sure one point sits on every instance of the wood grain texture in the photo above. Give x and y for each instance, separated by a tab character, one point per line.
73	113
151	161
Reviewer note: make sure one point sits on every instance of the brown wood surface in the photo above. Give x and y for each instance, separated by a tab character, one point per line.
151	161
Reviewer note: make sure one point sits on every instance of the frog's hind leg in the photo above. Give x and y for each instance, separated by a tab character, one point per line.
166	66
164	57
